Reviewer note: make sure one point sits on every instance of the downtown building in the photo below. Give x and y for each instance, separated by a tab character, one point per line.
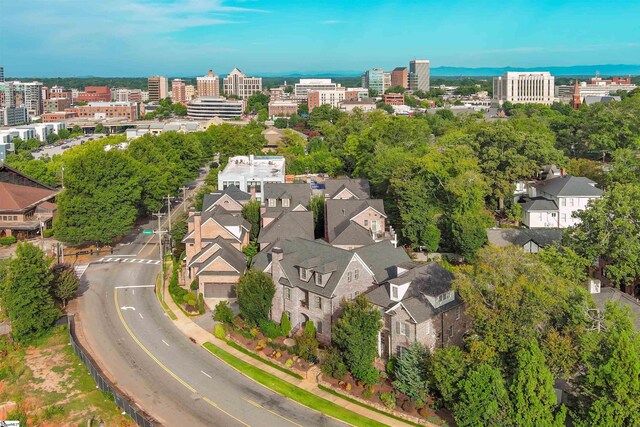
107	110
158	88
94	94
419	75
304	86
126	95
400	77
524	88
376	79
209	107
595	87
208	85
238	84
178	90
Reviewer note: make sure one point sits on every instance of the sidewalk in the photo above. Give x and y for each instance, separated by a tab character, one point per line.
200	335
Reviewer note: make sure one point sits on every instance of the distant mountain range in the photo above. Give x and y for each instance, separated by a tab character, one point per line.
573	70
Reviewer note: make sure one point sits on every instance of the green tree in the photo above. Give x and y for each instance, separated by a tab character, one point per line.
411	375
483	400
256	102
223	313
179	229
532	395
395	89
251	212
281	123
285	324
52	137
355	334
255	292
446	368
610	229
76	130
63	134
306	343
65	282
179	109
317	207
27	296
565	262
99	128
263	114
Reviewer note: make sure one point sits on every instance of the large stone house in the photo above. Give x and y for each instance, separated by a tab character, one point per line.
27	207
313	278
552	202
232	199
531	240
280	198
213	247
419	305
347	188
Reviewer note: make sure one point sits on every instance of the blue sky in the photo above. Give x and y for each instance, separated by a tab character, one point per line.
187	37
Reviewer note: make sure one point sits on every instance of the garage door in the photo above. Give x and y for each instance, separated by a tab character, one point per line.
219	290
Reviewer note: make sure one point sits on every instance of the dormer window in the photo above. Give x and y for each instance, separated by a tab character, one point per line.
319	279
285	203
444	297
394	292
304	274
272	203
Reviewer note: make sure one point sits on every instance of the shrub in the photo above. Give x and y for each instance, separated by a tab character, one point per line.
194	285
285	324
6	241
223	313
288	363
269	328
307	344
191	299
334	365
255	292
367	392
201	304
48	232
219	331
388	399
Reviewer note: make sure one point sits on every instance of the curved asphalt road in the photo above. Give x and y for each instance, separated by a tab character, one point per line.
174	380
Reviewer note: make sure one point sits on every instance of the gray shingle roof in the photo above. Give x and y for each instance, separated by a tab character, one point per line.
224	218
381	258
234	192
608	294
543	237
227	251
297	194
430	279
288	225
570	186
539	204
339	213
359	187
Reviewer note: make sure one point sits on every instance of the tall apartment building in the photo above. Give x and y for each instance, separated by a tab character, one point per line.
30	95
178	90
127	95
13	116
376	79
420	75
189	92
304	86
208	85
524	88
237	83
158	88
316	98
400	77
7	94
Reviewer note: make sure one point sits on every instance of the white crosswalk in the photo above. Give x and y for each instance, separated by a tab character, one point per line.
130	260
80	269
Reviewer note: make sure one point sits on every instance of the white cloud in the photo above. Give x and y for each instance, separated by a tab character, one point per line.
331	22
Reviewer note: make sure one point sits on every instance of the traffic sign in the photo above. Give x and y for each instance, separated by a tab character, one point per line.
147	231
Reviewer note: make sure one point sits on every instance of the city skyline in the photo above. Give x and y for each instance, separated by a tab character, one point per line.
187	37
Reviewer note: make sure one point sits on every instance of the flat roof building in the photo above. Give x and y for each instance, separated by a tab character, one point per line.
208	107
301	88
316	98
250	173
158	88
101	110
208	85
524	88
400	77
178	90
94	94
282	108
376	79
420	75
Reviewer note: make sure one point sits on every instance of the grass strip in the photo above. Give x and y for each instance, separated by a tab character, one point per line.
164	305
292	392
266	362
371	408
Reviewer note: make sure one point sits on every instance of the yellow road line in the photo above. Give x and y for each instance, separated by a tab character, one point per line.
155	359
256	404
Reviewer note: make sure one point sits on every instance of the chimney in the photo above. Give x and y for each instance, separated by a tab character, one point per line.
277	254
252	191
197	234
250	159
563	172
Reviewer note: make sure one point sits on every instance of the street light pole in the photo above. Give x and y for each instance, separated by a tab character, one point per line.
184	198
159	232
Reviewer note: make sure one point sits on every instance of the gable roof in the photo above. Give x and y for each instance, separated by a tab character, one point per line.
232	191
381	258
298	193
226	251
543	237
223	217
430	280
288	225
539	204
18	192
570	186
339	213
358	187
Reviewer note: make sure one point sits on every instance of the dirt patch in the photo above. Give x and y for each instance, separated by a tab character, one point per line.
45	367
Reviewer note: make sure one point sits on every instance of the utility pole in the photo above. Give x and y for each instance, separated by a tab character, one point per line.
63	177
184	198
159	232
169	198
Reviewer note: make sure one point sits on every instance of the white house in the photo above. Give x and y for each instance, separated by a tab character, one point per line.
250	173
552	203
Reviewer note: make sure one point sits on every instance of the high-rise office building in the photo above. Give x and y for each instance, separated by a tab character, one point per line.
400	77
237	83
1	74
178	91
190	92
420	75
376	79
158	88
524	88
30	94
304	86
208	85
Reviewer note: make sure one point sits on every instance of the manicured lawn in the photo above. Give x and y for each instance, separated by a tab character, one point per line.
266	362
292	392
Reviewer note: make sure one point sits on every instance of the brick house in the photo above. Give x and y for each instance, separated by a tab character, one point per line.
283	197
347	188
213	247
313	278
353	223
232	199
419	305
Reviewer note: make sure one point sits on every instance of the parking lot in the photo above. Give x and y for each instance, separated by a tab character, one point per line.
59	146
